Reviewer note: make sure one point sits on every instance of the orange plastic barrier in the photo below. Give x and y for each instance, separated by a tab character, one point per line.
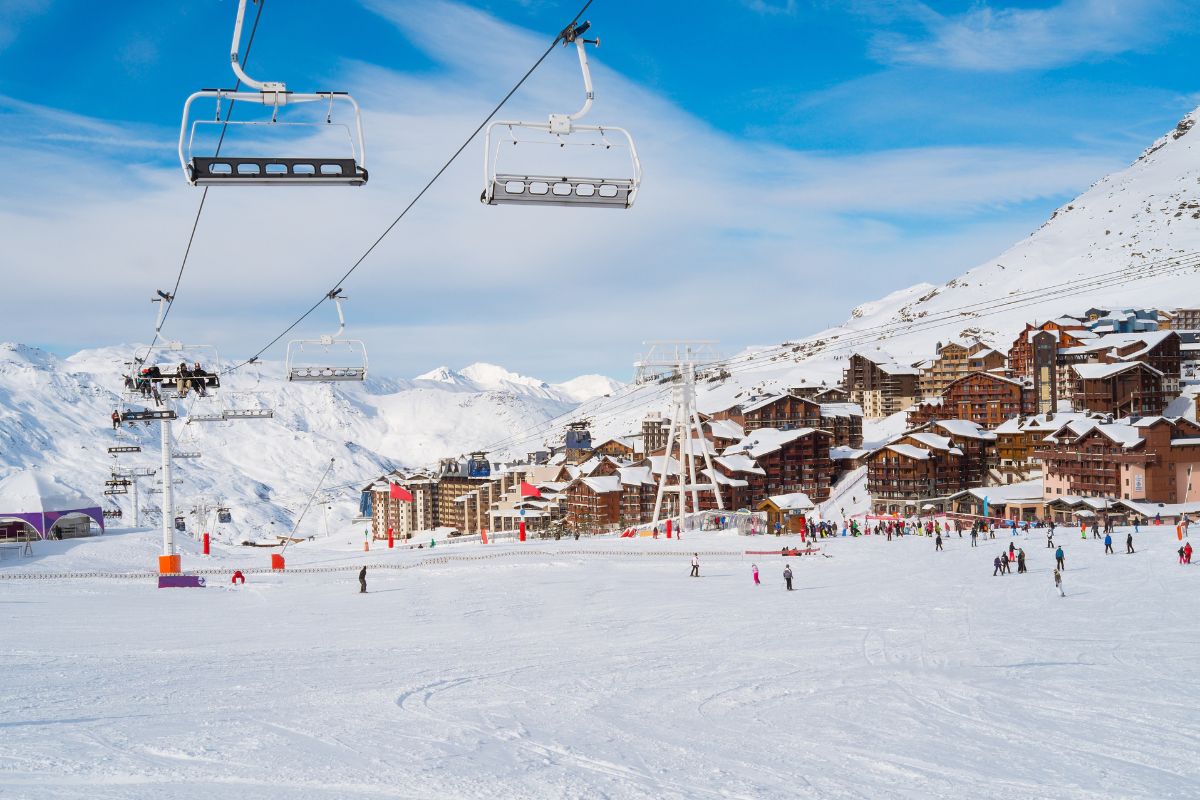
169	565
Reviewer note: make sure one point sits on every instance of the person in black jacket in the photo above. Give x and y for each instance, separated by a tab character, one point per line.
1129	543
787	576
362	581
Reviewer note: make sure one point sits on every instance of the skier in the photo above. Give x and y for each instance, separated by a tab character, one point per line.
754	571
1004	569
1021	561
787	576
1107	543
116	419
1050	540
974	537
1129	543
938	542
996	565
238	577
1135	525
362	580
695	565
1058	583
1187	552
1180	552
1060	558
1012	552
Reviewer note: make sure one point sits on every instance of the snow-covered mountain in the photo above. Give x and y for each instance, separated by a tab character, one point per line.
54	414
1117	245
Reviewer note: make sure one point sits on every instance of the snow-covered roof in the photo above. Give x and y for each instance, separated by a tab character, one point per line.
843	453
605	484
1025	491
33	492
932	440
658	462
722	479
1091	372
796	501
964	428
725	429
740	462
841	410
635	476
919	453
767	440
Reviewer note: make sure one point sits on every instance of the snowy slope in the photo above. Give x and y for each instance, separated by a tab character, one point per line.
54	414
1124	224
583	670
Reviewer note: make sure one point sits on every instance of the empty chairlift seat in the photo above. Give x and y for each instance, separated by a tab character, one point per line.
329	358
225	171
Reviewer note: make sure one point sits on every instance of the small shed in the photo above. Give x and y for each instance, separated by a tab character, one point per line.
786	509
32	502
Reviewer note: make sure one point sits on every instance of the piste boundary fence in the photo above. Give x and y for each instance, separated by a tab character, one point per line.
426	562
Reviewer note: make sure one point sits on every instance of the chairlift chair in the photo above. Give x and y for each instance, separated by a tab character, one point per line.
112	492
501	187
302	365
224	516
186	454
180	524
248	404
218	170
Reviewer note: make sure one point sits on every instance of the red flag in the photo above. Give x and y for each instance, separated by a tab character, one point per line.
400	493
529	490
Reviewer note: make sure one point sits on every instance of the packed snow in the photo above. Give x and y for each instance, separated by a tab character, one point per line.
600	669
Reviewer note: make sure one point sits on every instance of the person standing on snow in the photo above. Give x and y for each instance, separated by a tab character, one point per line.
1058	583
695	565
1050	539
1129	543
1187	552
1021	561
754	572
937	542
974	537
1108	543
238	577
1060	558
787	576
996	564
362	580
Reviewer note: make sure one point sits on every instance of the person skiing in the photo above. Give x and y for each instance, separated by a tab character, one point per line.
1187	552
1021	561
238	577
1108	543
754	572
937	542
974	537
362	580
695	565
787	576
996	564
1129	543
1180	551
1050	540
1012	552
1058	583
1060	558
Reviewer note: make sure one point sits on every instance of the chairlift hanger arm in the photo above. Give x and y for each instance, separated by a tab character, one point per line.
275	87
574	35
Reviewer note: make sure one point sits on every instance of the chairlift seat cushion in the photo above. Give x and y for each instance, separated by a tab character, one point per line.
224	171
561	191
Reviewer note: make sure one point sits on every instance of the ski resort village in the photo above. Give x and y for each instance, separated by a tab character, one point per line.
828	426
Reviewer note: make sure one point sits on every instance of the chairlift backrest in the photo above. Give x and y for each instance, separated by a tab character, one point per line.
505	186
329	358
248	170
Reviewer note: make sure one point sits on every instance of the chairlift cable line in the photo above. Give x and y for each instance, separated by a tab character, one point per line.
200	208
337	285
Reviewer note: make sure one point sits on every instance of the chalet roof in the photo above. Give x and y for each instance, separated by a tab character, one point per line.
1119	433
841	410
1040	423
985	352
932	440
740	462
987	374
767	440
658	462
636	476
725	429
796	501
1092	372
762	401
843	453
605	484
964	428
1004	494
919	453
718	477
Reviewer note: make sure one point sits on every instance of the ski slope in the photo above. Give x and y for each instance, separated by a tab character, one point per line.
583	670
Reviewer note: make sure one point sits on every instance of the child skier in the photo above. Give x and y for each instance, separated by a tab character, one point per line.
754	571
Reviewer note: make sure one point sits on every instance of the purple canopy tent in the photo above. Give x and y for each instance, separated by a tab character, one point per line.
40	500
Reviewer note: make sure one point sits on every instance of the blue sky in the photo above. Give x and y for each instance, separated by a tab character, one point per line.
801	157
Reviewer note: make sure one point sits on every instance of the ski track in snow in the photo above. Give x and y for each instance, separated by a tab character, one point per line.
893	672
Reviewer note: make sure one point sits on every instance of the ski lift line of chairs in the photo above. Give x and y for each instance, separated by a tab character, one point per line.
507	187
112	513
299	367
270	170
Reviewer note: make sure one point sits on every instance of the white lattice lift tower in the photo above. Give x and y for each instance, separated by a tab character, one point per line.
675	361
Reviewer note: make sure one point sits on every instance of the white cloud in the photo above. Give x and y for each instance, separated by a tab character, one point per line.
757	241
1004	39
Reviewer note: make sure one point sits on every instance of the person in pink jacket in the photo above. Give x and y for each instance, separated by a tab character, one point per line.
754	571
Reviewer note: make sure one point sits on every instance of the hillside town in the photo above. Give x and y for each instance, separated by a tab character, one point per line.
1086	416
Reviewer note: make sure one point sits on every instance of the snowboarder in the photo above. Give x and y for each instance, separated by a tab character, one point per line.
362	580
787	576
695	565
116	419
1108	543
1058	583
1129	543
754	572
238	577
996	564
938	542
1060	558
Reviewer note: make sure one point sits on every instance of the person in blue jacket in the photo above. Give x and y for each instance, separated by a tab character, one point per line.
1108	543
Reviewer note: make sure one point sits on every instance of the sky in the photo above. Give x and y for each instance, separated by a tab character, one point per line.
800	156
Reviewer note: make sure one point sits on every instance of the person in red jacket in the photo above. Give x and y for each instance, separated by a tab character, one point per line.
238	577
1187	552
